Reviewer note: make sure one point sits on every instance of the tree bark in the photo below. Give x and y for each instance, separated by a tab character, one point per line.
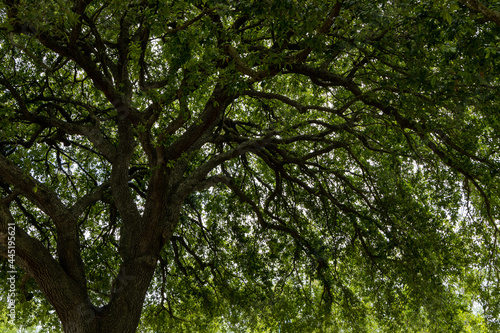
71	302
63	286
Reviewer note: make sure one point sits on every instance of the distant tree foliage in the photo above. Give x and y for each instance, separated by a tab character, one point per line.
251	166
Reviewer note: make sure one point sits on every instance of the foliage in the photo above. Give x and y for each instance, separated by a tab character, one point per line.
293	166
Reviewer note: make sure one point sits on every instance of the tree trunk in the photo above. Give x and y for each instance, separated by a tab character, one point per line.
70	299
123	312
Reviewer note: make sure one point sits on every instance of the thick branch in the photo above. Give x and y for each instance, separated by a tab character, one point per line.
68	248
198	176
489	14
83	203
119	185
62	291
240	64
198	133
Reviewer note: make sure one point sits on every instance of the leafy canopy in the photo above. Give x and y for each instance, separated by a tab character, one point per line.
315	166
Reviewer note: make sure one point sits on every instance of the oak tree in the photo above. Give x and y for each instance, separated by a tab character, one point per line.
303	166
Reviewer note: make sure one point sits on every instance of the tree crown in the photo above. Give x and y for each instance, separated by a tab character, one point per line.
300	165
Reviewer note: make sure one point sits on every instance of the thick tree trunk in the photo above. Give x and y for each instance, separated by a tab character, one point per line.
123	313
70	299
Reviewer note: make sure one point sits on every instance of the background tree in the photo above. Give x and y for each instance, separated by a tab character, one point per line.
294	165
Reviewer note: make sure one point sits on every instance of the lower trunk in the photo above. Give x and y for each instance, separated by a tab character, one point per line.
123	312
68	295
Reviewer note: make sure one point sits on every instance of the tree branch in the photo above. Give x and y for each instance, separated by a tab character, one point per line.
68	247
198	133
489	14
60	288
83	203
